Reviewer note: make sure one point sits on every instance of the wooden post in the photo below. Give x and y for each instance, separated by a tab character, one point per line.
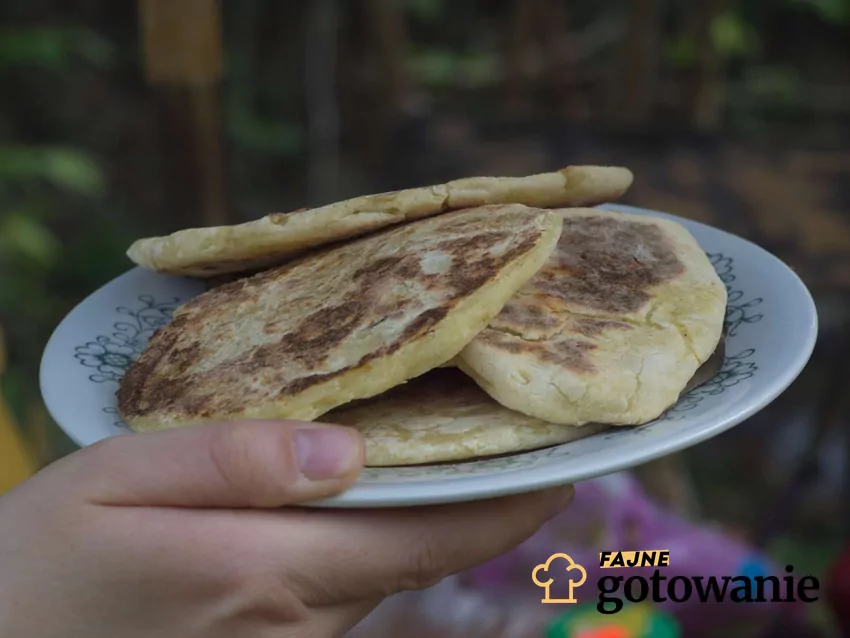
385	32
563	71
520	54
701	101
389	28
320	85
182	52
539	52
635	85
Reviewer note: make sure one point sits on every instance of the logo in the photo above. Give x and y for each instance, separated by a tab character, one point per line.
544	568
644	558
649	584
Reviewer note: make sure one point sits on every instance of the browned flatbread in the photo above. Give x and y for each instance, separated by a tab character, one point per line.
344	324
610	330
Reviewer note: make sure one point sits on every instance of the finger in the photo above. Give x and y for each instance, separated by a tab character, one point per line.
233	465
338	620
386	551
333	621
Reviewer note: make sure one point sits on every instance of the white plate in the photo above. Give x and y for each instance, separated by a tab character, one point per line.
771	323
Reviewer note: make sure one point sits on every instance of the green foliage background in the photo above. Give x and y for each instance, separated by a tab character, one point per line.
57	237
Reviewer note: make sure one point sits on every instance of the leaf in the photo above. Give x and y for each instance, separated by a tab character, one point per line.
67	169
732	37
25	236
53	48
682	52
269	136
74	171
94	49
19	163
435	66
775	84
428	11
832	11
480	69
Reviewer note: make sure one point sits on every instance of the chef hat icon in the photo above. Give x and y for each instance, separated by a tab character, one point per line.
545	574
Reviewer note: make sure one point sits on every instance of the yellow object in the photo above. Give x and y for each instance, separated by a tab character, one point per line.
278	237
573	583
16	460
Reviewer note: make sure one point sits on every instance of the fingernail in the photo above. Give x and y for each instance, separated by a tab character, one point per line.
325	453
561	499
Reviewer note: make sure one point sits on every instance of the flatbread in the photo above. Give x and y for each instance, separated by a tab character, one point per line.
610	330
276	238
344	324
443	416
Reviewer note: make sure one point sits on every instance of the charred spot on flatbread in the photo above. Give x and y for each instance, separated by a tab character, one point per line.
608	264
571	354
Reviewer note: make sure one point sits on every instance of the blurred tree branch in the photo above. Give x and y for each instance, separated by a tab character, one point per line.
702	97
321	97
542	51
634	86
182	45
389	30
521	54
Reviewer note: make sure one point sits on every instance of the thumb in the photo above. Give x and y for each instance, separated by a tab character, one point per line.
241	464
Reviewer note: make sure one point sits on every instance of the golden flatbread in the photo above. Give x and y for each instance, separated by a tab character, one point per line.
444	416
276	238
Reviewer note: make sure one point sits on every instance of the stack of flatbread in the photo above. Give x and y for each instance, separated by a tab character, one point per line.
480	317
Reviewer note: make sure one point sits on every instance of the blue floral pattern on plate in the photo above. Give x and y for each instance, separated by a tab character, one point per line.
110	355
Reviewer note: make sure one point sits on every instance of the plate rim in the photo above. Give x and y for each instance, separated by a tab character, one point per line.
470	488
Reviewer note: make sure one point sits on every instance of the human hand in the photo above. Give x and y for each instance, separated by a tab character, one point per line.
181	534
